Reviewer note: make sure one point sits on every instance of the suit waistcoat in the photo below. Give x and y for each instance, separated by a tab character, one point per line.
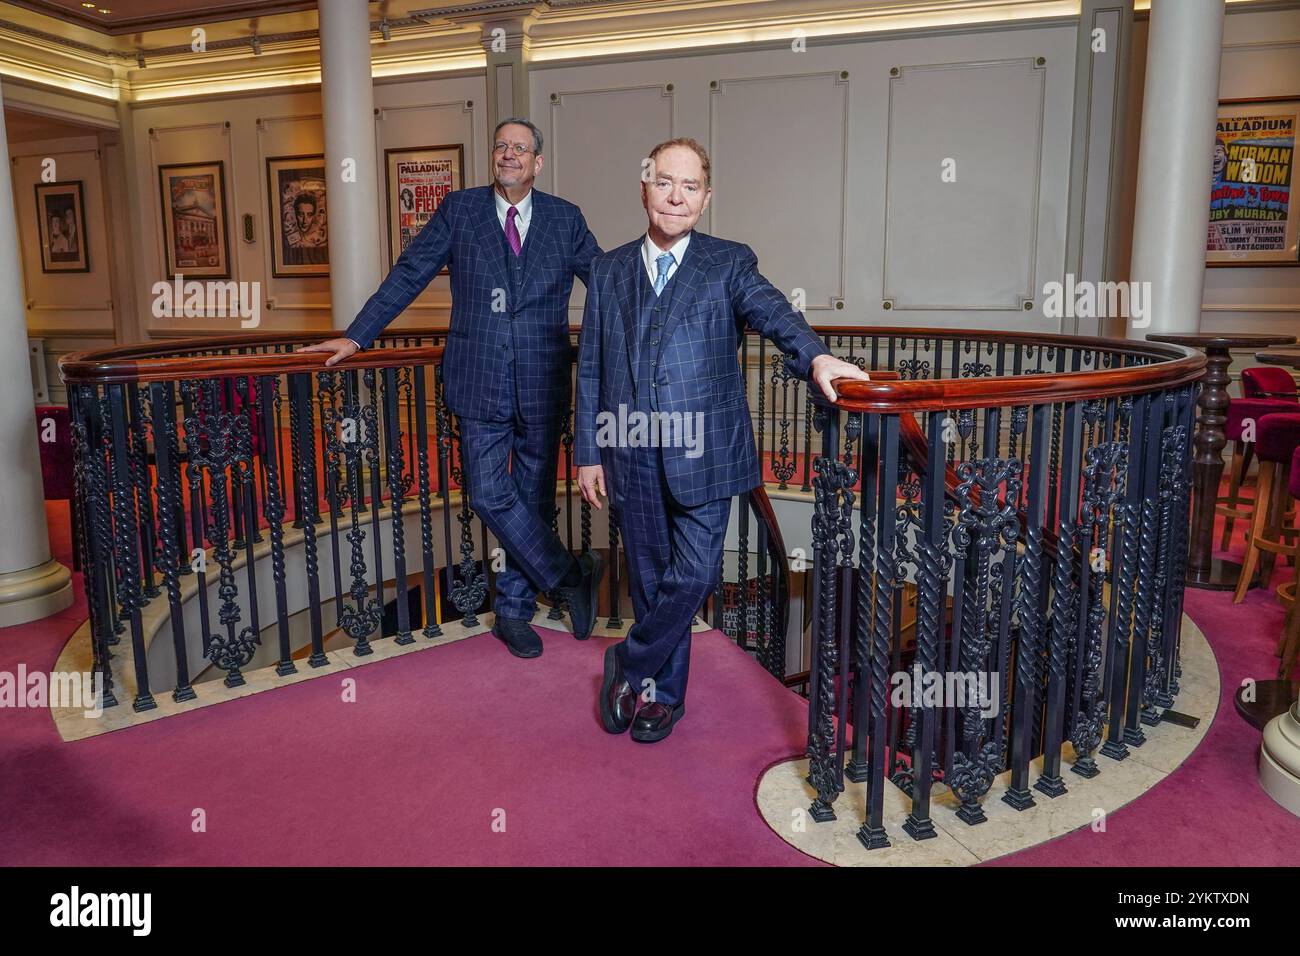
651	315
514	269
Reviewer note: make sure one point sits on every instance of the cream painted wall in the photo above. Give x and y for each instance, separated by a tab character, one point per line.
63	301
242	133
826	165
67	310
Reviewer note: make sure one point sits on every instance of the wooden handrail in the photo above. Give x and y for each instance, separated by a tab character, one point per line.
83	367
1175	365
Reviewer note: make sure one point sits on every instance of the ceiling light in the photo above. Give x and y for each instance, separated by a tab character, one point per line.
89	6
102	10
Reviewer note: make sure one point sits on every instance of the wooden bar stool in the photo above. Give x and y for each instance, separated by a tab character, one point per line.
1244	415
1258	383
1277	437
1288	647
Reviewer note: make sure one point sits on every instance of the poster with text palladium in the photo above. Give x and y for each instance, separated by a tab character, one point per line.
1252	218
421	186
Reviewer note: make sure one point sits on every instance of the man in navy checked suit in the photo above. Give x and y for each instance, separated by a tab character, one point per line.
665	316
513	252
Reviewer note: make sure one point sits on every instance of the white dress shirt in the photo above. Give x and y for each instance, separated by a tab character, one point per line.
650	252
525	207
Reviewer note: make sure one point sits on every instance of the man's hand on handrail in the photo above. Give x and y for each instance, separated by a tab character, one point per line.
827	368
342	348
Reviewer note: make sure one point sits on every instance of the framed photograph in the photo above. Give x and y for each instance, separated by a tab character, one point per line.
1252	219
299	223
61	218
417	182
195	234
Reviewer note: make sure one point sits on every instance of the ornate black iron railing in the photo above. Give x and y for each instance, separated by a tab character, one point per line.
202	464
1014	508
1029	512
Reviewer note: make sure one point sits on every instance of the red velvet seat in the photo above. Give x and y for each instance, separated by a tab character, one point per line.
1267	390
1242	410
1277	437
1268	381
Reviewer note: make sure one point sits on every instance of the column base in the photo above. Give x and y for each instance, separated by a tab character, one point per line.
34	593
1279	759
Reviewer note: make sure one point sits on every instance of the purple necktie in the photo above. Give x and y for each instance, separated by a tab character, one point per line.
512	231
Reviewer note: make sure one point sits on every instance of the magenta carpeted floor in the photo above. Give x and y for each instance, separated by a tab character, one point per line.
465	755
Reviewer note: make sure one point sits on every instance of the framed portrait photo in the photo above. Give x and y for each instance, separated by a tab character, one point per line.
417	182
195	235
295	186
61	218
1253	221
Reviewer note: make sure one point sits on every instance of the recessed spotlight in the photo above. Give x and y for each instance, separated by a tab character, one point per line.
102	10
89	6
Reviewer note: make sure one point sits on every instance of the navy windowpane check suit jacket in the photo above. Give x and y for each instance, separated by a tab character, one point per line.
719	291
488	322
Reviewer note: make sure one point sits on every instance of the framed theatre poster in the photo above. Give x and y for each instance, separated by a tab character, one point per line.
299	224
418	181
194	220
1253	221
61	219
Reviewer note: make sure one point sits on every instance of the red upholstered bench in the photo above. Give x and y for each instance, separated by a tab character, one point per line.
54	439
56	455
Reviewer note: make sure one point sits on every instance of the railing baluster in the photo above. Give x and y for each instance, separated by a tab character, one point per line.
431	626
169	494
1033	583
393	443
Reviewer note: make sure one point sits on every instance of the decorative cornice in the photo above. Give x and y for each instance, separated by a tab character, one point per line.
443	37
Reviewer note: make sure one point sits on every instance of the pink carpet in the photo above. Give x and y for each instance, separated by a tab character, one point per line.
442	743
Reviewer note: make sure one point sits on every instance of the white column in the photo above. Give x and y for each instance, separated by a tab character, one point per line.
1175	165
348	107
1279	759
32	584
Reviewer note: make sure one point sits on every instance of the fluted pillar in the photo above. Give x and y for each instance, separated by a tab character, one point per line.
1179	108
348	110
32	584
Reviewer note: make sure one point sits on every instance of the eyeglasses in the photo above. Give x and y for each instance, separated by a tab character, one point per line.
518	149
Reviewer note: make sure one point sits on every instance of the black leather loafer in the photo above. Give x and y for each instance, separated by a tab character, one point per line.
581	599
617	697
518	636
655	722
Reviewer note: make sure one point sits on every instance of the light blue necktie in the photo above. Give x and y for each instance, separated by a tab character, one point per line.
664	262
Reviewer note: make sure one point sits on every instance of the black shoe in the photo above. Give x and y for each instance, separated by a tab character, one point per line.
582	597
617	698
655	722
518	637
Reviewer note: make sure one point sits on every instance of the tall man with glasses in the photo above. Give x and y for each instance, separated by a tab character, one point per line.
513	252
